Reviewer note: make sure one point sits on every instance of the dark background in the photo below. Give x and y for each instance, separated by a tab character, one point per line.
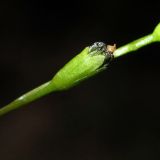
113	116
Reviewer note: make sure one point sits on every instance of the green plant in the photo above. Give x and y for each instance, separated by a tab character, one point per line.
89	62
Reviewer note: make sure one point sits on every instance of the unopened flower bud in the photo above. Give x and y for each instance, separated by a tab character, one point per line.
89	62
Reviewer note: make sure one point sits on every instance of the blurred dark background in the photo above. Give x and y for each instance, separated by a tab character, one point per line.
114	115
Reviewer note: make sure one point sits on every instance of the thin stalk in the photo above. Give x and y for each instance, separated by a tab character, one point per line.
135	45
28	97
141	42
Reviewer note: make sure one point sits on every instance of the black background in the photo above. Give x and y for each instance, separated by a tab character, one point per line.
113	116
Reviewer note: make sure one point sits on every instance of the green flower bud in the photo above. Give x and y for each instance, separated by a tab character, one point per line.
89	62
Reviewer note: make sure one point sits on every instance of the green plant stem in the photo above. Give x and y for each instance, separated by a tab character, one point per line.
141	42
72	75
28	97
135	45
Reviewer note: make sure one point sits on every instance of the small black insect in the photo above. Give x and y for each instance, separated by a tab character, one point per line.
100	46
107	50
